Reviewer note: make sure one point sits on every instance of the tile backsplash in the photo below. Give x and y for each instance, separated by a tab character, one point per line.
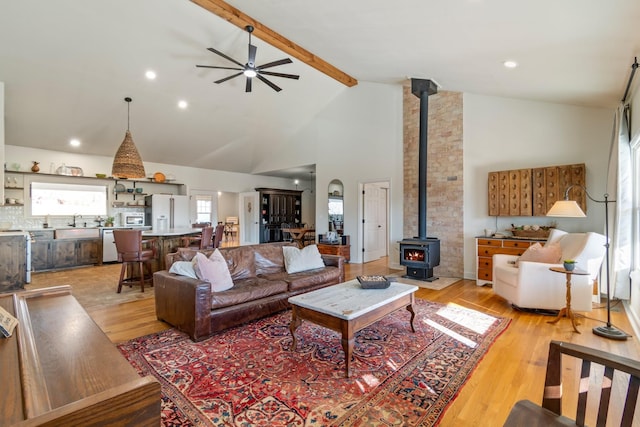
15	216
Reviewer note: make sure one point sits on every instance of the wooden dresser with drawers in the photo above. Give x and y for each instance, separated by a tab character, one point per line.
486	247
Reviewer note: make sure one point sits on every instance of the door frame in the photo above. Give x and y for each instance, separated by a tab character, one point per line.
385	183
249	216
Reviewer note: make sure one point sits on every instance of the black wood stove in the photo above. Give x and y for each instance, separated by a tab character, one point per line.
421	254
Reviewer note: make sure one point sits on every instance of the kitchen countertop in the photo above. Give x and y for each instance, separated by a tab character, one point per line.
169	232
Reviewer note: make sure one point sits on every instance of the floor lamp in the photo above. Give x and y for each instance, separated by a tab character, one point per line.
570	209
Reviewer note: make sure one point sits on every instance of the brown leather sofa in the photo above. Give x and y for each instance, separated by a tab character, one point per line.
261	286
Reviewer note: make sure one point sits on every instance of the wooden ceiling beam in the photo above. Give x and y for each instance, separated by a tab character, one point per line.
266	34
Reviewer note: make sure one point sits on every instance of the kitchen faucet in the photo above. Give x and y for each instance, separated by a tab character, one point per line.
73	224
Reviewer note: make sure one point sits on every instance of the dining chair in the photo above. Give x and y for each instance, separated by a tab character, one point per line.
217	235
286	236
131	253
597	369
310	236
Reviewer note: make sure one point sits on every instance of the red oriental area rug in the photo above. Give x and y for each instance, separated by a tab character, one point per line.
249	376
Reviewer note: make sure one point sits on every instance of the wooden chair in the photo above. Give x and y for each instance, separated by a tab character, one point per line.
218	235
231	227
527	413
204	240
309	236
286	236
131	251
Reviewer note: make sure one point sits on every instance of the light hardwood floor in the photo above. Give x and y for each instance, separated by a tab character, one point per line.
512	370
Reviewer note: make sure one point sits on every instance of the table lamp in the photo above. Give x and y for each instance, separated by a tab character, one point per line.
570	209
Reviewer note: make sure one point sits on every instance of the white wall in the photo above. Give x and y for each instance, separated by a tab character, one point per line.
228	205
356	138
2	155
204	179
503	134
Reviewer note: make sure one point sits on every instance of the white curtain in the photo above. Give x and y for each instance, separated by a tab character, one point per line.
619	187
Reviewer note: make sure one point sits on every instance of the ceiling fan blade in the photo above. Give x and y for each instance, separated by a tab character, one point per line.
248	86
286	76
219	68
217	52
273	86
274	63
228	78
252	55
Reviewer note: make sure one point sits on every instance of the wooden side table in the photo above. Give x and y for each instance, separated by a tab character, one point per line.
566	311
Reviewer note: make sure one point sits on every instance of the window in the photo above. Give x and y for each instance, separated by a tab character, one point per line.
635	166
68	199
204	208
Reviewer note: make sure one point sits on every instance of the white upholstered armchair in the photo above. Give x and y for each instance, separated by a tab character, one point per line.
529	284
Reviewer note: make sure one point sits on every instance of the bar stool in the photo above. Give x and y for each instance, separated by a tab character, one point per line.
129	245
204	240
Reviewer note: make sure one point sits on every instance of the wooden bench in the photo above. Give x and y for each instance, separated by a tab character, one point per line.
59	368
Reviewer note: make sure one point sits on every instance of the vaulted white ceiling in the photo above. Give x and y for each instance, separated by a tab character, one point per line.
68	64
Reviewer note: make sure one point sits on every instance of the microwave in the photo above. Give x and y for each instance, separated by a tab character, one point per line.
132	219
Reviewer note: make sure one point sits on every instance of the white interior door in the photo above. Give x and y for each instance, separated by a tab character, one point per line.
249	218
374	222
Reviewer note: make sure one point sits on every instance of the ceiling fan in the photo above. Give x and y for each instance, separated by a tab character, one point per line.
250	69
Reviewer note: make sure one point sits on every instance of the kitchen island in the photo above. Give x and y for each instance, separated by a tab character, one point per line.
166	241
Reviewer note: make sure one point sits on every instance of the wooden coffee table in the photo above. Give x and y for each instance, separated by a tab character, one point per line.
347	308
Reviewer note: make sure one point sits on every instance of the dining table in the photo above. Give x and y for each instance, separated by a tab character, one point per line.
298	233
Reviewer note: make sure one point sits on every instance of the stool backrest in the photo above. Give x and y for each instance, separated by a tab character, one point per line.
128	243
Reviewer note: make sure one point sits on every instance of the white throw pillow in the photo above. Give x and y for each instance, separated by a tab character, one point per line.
183	268
307	258
213	270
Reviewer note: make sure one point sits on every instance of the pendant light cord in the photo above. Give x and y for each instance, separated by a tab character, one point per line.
128	110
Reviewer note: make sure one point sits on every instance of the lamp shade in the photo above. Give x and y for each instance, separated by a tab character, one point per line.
567	209
127	163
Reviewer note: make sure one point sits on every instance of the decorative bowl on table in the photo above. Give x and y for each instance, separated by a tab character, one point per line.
373	282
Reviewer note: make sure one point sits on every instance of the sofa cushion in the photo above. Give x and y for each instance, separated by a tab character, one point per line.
213	270
548	254
307	279
307	258
270	258
241	261
246	290
508	274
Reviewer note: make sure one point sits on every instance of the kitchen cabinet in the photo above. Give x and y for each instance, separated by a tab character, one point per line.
41	250
278	207
13	268
48	253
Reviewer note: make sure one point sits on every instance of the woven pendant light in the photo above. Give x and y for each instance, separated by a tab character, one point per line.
127	163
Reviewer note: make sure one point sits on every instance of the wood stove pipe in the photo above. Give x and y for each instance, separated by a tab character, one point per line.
422	88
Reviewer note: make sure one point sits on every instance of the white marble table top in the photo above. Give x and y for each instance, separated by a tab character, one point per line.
348	300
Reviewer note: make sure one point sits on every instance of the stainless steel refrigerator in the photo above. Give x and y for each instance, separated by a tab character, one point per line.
163	211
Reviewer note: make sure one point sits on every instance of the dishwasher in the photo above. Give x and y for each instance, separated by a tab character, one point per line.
109	252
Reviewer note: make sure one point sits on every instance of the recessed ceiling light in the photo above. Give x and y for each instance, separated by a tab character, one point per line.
151	75
74	142
183	104
510	64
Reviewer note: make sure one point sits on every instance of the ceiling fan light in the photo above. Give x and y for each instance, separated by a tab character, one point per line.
250	72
